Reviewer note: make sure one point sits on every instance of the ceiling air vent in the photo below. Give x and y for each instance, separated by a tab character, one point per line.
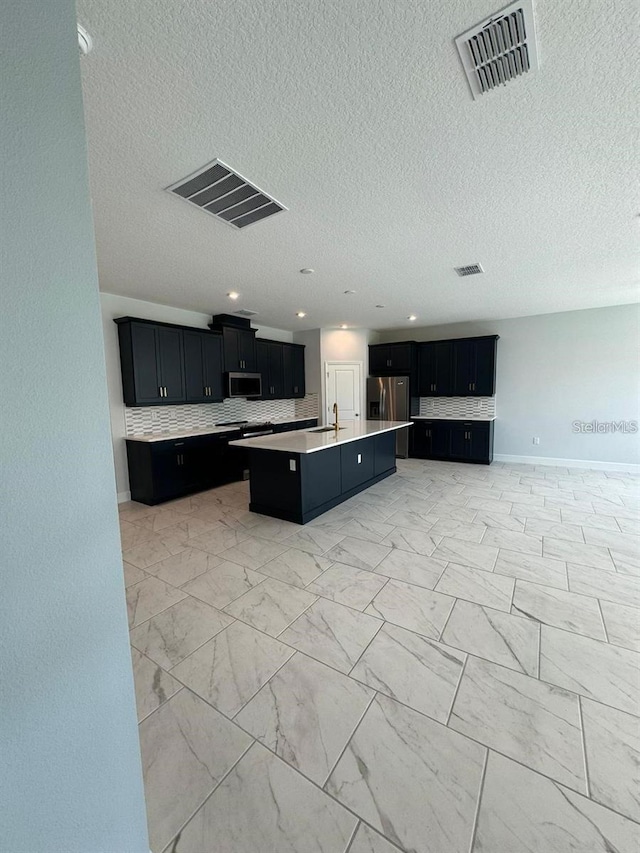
499	49
245	312
225	194
470	269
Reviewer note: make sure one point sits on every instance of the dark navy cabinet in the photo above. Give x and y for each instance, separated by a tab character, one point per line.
464	367
357	460
239	350
152	363
203	366
393	359
458	441
271	366
293	371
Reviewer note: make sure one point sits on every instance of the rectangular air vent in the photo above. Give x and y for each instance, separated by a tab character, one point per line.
225	194
499	49
245	312
470	269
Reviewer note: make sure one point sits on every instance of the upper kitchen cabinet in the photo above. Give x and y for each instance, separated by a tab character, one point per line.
436	369
151	357
238	343
271	367
392	359
293	370
464	367
203	366
474	367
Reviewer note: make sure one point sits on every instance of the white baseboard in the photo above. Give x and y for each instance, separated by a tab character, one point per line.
624	467
123	497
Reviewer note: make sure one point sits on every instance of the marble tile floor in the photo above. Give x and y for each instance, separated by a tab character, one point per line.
446	663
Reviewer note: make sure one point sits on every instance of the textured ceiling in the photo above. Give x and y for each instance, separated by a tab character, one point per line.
357	116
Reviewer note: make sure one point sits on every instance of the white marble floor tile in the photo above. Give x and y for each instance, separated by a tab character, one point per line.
223	584
612	744
412	520
499	637
147	553
348	585
599	671
454	512
275	529
413	540
500	521
476	585
523	812
586	555
132	574
332	633
489	504
148	597
608	586
272	606
264	805
623	543
176	632
219	540
132	534
622	624
306	714
191	527
525	543
466	553
568	610
528	498
314	540
160	520
131	510
629	525
252	553
412	669
589	519
358	553
519	716
459	530
368	512
412	607
570	532
185	566
528	567
398	773
368	841
412	568
369	531
186	748
153	686
296	567
229	669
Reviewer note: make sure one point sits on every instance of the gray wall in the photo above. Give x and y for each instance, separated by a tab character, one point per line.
70	776
554	369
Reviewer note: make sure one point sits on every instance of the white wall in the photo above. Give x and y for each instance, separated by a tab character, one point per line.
554	369
122	306
70	774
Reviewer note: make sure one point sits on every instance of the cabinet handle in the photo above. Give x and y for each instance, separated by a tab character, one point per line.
474	386
165	390
160	390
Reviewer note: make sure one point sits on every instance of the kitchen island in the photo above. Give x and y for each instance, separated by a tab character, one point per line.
299	475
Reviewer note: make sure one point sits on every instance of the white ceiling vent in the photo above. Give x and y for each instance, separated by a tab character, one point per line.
470	269
225	194
245	312
499	49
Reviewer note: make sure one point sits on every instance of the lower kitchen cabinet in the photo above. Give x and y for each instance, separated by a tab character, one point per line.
162	470
458	441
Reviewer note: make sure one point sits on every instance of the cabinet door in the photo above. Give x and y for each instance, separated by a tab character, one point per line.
379	359
169	471
385	452
357	461
484	378
212	358
298	372
436	369
171	363
474	367
146	372
231	348
263	364
399	358
247	350
479	445
460	441
276	371
194	368
287	371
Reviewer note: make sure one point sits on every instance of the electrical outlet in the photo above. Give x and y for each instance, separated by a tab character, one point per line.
536	440
155	417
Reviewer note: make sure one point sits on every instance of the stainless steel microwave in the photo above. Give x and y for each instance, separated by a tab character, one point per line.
244	385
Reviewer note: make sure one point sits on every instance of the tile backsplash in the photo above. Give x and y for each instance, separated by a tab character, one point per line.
457	407
153	420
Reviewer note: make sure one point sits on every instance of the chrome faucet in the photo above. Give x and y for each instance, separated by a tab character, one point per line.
335	425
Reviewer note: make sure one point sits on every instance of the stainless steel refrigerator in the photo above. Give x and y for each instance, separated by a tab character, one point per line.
388	400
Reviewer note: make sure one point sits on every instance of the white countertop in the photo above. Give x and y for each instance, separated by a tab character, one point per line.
191	433
484	418
310	440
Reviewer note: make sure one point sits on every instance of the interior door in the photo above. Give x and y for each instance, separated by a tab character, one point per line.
343	386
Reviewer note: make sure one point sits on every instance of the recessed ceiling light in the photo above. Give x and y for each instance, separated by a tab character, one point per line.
233	295
301	314
306	271
349	291
412	317
380	306
344	326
